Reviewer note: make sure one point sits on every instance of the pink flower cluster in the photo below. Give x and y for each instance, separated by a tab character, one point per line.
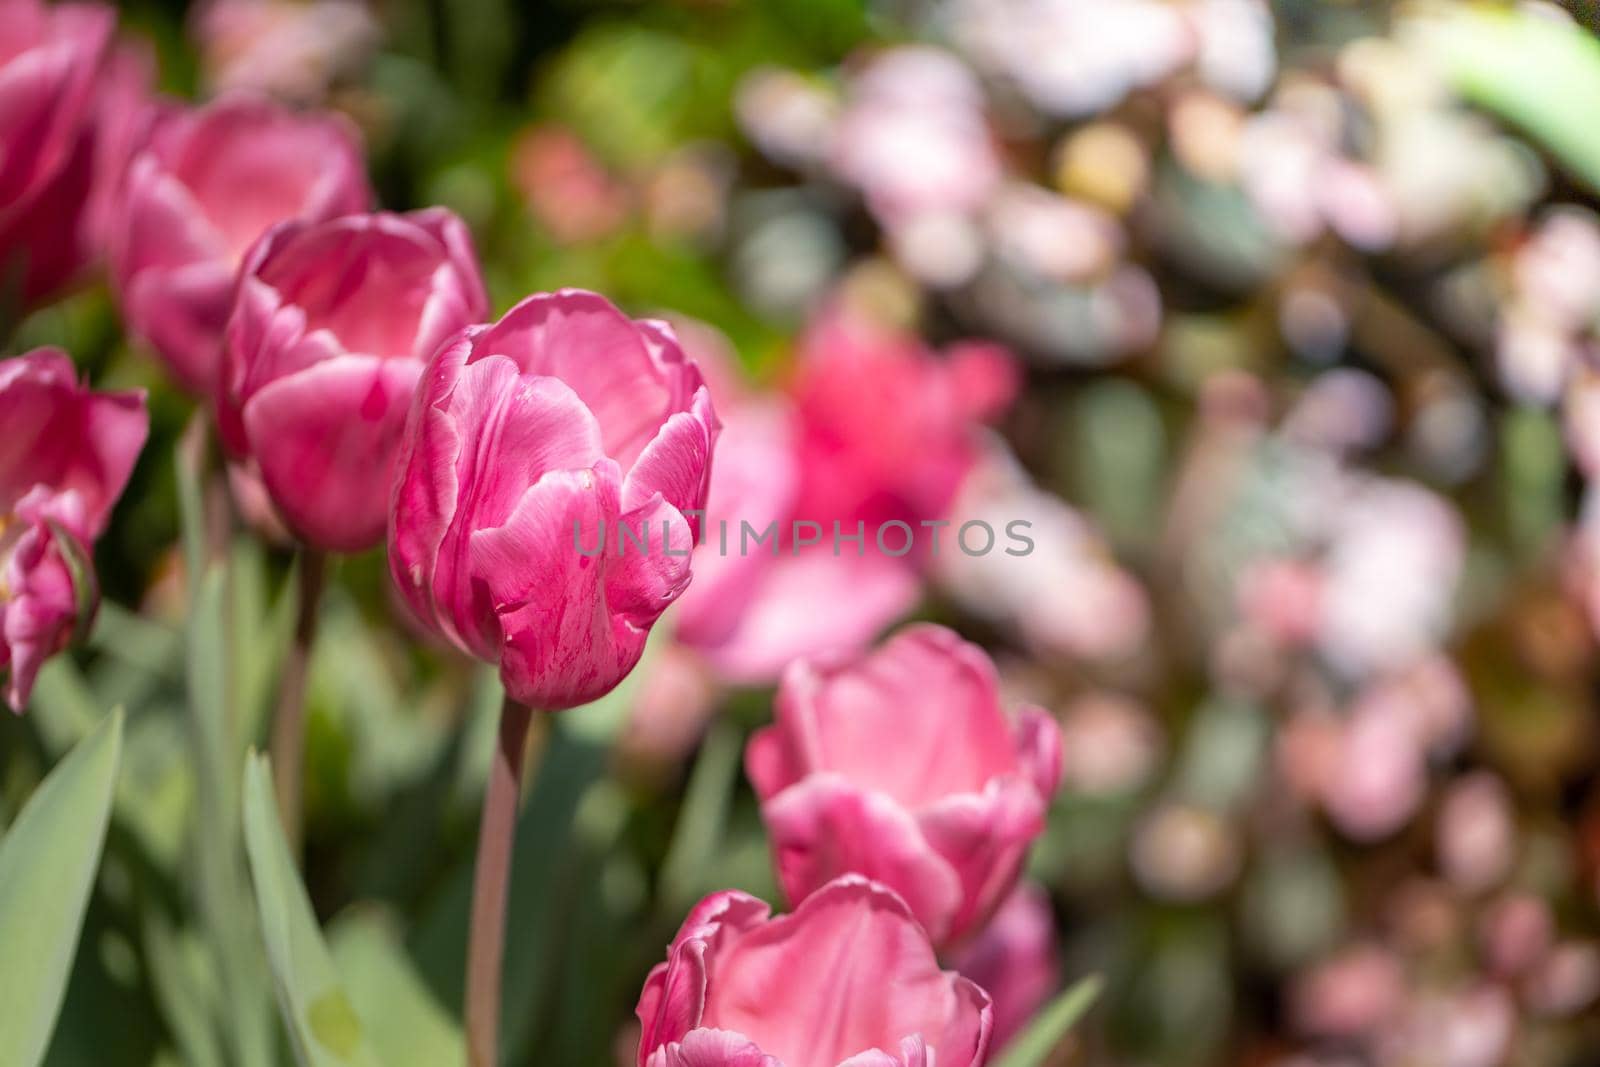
351	370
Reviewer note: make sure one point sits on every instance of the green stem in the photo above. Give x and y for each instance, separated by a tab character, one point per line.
289	721
491	884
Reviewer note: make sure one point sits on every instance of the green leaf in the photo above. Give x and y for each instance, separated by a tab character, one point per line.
1538	73
409	1026
322	1023
1032	1047
48	861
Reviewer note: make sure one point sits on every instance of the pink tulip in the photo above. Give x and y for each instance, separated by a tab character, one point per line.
209	182
332	325
535	448
875	430
65	458
70	99
1014	959
901	765
848	980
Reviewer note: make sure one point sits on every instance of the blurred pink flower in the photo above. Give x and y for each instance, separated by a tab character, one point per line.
565	186
1183	851
1014	960
71	103
1515	933
1111	744
1067	596
913	136
1350	995
1377	774
847	980
875	429
331	326
211	181
900	764
530	444
292	49
1476	833
65	458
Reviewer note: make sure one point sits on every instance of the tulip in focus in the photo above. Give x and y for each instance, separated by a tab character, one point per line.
65	458
210	181
848	978
531	443
70	102
331	328
901	765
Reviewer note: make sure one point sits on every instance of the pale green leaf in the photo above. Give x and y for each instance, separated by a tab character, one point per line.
48	861
1049	1029
323	1027
409	1026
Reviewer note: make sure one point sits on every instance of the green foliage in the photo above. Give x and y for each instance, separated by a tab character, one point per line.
48	861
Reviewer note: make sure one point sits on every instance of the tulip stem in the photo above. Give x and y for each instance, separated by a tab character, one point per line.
289	721
490	885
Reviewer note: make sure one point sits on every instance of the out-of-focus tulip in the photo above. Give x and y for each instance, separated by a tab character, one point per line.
900	764
1350	995
539	511
290	49
207	185
1477	832
848	978
856	468
331	327
1014	960
70	103
65	457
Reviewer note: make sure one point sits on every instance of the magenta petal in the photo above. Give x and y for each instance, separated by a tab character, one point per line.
673	999
39	615
712	1048
326	440
641	584
825	827
563	646
814	986
984	837
677	462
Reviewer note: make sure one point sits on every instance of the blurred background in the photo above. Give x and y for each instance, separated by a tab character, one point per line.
1303	300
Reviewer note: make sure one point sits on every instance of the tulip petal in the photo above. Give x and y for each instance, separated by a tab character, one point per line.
673	999
677	462
855	710
845	971
326	441
984	838
562	646
712	1048
825	826
582	338
39	613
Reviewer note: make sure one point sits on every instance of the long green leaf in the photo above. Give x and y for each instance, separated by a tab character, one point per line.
323	1026
410	1027
1032	1047
48	861
1538	73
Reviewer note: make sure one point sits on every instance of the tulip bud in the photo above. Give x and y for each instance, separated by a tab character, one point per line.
64	460
901	765
848	977
541	511
209	182
332	325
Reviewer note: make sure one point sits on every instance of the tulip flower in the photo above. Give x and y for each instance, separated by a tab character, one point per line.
900	764
531	444
65	457
331	327
209	182
70	101
535	449
848	978
875	432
